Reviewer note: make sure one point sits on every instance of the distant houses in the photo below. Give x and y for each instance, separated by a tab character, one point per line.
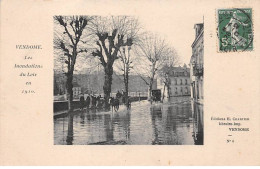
77	90
178	80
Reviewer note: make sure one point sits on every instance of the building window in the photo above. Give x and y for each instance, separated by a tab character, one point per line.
181	81
186	81
175	81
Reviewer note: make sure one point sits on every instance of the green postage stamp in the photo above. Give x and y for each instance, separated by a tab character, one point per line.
235	29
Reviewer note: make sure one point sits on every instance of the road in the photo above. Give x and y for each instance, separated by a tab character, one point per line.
168	123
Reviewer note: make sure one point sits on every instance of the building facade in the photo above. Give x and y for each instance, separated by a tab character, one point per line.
197	80
76	90
178	82
196	64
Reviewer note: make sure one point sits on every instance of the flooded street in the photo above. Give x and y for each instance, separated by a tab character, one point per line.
170	123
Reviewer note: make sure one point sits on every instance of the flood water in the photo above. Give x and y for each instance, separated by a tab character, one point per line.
171	123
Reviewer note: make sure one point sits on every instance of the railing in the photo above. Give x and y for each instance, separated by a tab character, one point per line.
198	70
133	94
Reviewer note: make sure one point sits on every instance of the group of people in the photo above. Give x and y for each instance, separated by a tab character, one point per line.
91	102
120	96
123	99
97	102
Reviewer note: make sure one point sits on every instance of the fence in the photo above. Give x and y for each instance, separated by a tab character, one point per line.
133	94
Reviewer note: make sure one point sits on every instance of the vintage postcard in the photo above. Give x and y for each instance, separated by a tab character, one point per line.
130	82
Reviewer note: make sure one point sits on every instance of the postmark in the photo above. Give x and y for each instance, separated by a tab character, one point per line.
235	30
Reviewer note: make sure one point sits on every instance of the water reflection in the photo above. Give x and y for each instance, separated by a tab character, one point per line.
197	110
161	124
70	129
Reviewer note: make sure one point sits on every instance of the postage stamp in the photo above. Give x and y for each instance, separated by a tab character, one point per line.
235	30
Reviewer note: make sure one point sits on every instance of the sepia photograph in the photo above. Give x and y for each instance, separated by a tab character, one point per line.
130	83
117	82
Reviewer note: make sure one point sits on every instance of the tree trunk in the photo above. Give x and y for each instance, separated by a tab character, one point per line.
107	84
70	129
168	90
69	90
150	90
126	87
151	81
163	92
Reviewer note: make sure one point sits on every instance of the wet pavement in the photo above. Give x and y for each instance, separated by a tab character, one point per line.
171	123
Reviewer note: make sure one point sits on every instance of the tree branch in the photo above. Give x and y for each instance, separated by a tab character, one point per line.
99	54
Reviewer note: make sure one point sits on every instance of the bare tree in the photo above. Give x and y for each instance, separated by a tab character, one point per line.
164	72
67	44
125	54
111	33
126	66
154	52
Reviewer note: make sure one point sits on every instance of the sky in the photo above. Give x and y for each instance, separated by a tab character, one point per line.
176	24
172	20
